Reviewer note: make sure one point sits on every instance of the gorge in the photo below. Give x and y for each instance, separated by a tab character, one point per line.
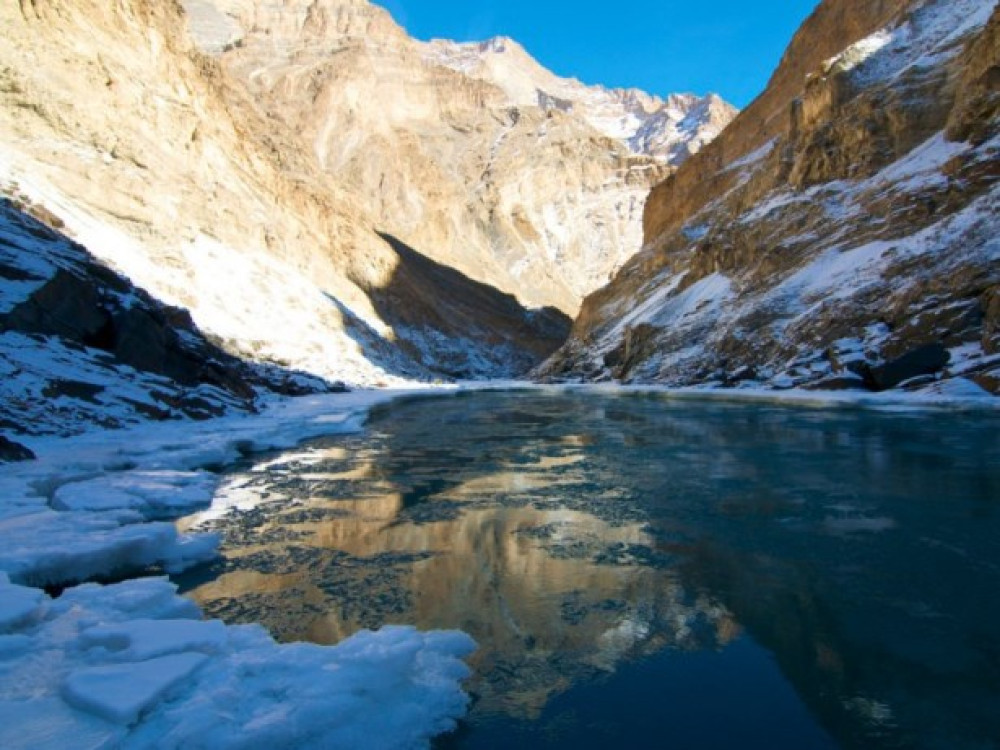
687	416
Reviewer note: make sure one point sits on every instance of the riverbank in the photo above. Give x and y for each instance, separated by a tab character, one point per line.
133	663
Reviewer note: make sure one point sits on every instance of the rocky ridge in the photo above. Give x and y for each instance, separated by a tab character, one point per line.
473	154
841	233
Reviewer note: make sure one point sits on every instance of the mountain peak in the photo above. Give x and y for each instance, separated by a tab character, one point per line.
647	124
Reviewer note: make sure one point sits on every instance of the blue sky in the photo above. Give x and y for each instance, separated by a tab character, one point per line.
663	46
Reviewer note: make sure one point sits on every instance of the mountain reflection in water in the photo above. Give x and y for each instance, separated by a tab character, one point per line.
596	543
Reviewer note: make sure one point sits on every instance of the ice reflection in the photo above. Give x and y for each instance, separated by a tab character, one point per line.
578	537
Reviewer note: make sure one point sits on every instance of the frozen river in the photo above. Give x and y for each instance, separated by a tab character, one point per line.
643	571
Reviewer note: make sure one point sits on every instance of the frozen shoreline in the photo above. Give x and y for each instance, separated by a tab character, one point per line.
134	665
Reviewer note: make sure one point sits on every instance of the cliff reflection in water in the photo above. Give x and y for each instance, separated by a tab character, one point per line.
552	594
572	535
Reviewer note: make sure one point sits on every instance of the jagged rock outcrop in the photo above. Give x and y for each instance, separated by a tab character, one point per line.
842	232
472	154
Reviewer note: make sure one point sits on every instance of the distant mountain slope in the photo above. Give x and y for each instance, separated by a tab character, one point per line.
841	233
473	154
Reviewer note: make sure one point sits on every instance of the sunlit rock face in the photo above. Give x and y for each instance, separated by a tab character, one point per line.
149	155
322	192
473	154
841	233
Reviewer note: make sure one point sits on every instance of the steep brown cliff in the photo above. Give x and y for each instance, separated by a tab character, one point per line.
843	226
166	169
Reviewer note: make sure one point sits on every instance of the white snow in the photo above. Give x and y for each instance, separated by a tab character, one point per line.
922	167
667	129
156	494
132	665
139	640
931	34
118	693
860	51
704	296
754	156
51	547
18	605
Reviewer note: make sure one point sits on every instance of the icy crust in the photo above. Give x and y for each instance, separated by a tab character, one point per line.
133	666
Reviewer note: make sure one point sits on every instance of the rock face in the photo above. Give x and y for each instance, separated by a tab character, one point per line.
246	161
148	154
472	154
842	232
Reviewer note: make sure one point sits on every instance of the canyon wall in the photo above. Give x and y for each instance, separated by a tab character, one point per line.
841	233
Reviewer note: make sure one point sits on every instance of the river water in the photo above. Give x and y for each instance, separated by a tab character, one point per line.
643	571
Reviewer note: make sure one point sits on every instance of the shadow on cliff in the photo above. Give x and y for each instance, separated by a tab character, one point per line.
458	327
87	345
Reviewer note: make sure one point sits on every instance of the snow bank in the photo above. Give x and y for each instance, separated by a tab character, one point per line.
49	547
132	666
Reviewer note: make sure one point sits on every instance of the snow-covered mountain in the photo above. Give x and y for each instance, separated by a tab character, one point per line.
841	233
668	130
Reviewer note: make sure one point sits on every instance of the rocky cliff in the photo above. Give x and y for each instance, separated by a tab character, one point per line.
323	193
472	154
149	155
841	233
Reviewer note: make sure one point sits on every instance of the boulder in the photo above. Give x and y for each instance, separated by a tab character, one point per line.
923	360
11	451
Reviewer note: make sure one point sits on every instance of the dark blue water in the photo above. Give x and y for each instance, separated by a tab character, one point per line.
647	572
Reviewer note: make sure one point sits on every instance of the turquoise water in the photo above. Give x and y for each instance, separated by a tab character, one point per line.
647	572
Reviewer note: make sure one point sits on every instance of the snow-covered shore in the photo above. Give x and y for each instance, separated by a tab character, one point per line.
133	664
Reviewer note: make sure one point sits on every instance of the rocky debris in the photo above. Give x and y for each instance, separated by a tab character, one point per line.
11	451
838	226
